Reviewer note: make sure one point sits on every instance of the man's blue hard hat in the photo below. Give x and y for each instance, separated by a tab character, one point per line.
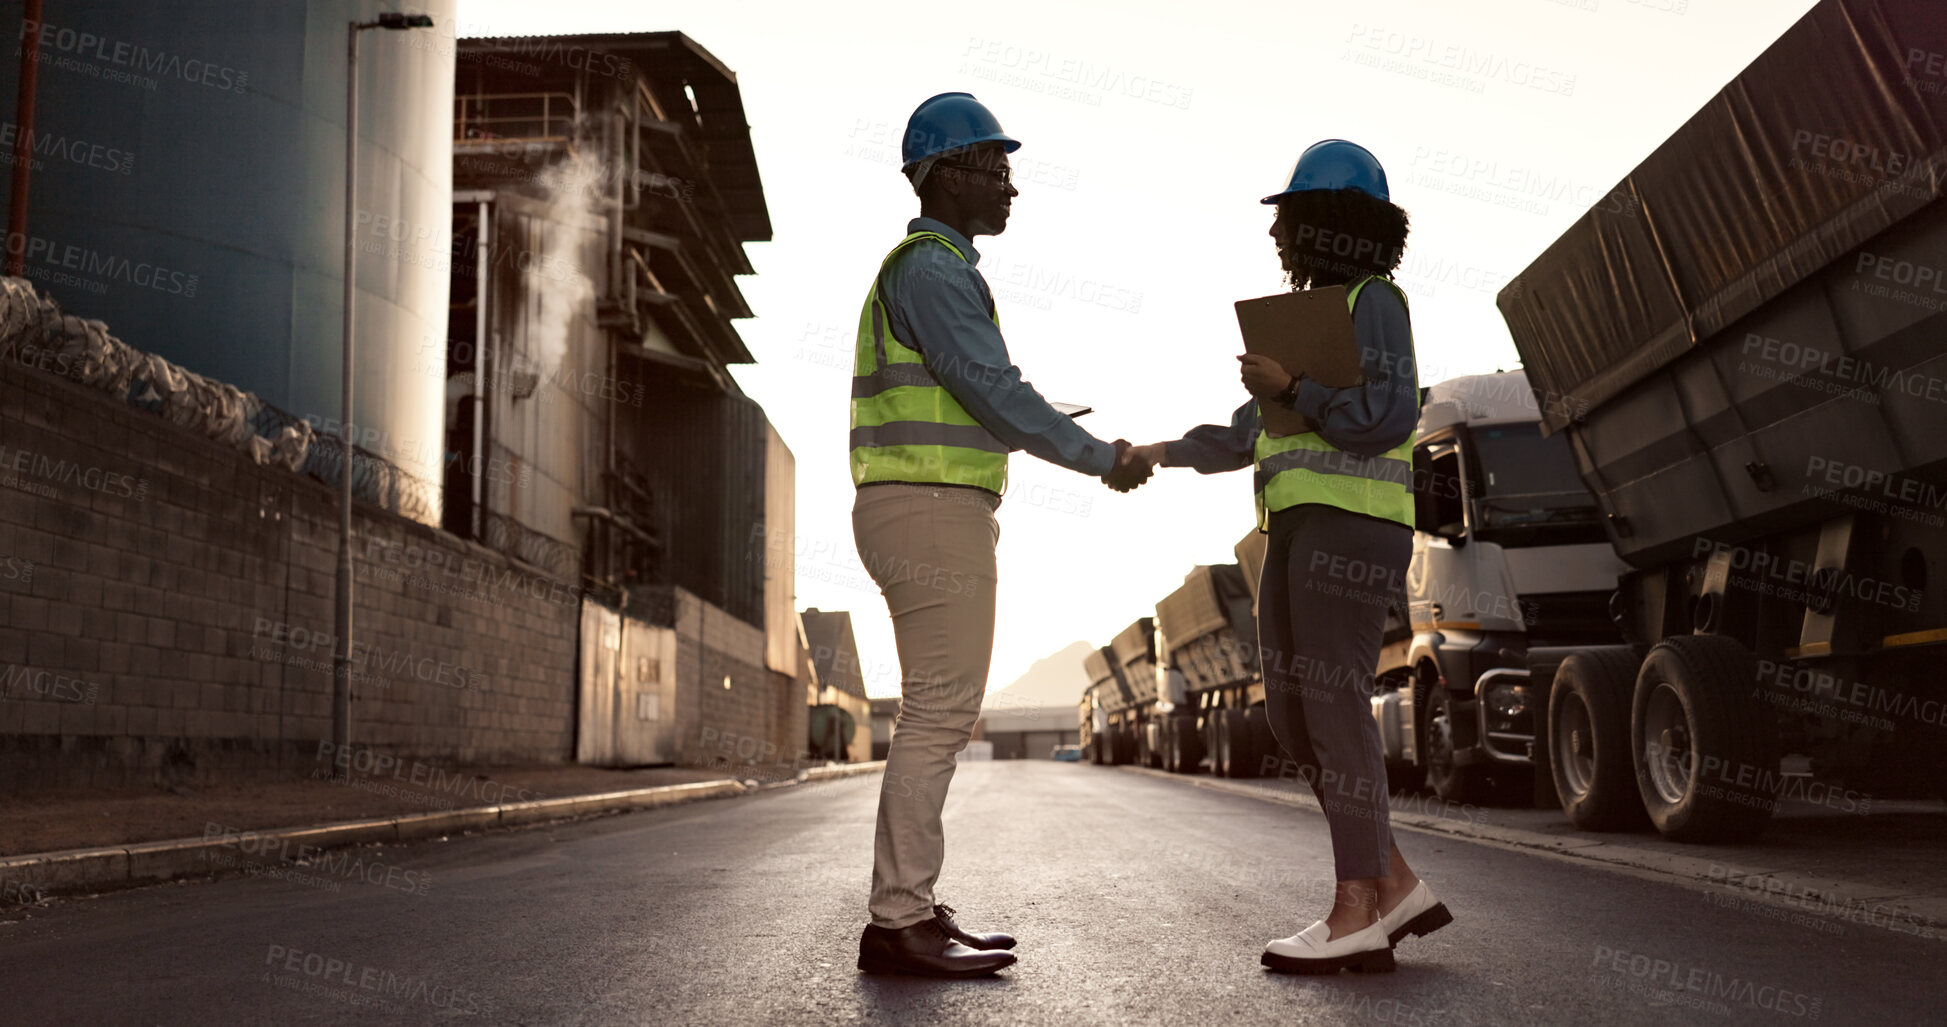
949	122
1336	164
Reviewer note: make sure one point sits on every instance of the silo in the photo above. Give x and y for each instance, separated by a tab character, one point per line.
188	190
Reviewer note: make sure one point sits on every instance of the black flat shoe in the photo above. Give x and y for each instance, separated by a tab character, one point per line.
987	941
924	950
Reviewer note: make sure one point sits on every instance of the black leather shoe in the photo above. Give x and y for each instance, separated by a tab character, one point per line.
988	941
924	950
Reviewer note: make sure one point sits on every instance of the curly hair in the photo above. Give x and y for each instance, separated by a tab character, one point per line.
1333	236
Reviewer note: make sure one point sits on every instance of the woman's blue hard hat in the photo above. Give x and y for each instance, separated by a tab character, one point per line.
1336	164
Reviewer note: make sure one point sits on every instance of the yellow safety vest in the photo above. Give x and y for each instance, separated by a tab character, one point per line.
1304	468
905	425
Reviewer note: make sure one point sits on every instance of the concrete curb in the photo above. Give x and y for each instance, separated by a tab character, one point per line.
844	770
1923	916
46	873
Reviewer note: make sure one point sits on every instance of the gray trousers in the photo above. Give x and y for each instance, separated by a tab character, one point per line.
931	551
1328	575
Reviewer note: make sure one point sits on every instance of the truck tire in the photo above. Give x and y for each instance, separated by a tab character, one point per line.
1245	750
1588	740
1240	758
1467	785
1705	744
1189	746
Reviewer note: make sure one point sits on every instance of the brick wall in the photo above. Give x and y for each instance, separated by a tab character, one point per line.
166	607
755	719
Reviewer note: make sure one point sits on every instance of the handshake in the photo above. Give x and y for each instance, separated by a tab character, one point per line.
1133	465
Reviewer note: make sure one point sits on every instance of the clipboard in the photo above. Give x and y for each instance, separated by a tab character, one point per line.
1073	410
1307	332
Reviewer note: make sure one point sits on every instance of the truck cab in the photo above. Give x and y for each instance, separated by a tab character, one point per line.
1511	566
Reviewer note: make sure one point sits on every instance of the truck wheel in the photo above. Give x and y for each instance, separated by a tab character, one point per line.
1705	745
1239	757
1450	782
1186	736
1404	778
1249	732
1190	746
1588	740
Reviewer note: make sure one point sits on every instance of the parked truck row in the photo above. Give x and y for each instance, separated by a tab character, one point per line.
1508	562
1680	567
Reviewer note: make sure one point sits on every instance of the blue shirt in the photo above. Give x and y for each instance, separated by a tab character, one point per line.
1364	420
940	305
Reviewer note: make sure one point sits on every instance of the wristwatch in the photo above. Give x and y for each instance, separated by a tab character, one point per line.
1289	397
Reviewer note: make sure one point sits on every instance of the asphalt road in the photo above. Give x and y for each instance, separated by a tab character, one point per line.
1137	900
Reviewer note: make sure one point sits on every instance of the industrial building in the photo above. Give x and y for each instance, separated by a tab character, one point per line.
548	232
604	186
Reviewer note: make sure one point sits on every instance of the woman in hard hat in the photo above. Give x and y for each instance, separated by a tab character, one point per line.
1337	503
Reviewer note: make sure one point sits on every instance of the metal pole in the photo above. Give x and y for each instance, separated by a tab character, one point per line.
481	369
24	141
341	662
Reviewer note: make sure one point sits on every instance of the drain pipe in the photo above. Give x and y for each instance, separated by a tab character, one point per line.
24	141
481	365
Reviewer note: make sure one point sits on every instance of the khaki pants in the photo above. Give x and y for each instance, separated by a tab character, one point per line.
931	551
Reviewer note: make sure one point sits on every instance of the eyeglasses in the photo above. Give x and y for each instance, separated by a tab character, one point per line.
1004	175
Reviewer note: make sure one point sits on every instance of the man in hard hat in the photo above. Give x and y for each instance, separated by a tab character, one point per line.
1345	490
937	405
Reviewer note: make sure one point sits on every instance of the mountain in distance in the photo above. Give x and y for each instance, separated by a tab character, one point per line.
1054	680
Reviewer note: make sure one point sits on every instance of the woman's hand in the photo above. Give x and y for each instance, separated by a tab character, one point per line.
1263	376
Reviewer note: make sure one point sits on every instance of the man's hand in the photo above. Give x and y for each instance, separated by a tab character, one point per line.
1130	470
1263	376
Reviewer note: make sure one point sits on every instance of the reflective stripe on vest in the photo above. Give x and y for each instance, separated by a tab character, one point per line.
905	425
1304	468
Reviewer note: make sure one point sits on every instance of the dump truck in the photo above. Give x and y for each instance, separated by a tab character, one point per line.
1121	696
1511	569
1746	360
1133	651
1209	694
1098	739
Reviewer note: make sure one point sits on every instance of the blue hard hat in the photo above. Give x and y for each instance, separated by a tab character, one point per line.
949	122
1336	164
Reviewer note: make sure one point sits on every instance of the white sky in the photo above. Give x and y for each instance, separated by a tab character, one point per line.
1139	189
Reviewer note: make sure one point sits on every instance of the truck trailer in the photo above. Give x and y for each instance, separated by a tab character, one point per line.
1209	693
1121	696
1748	361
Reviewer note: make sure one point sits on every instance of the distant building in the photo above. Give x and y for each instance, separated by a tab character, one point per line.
1029	732
840	682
